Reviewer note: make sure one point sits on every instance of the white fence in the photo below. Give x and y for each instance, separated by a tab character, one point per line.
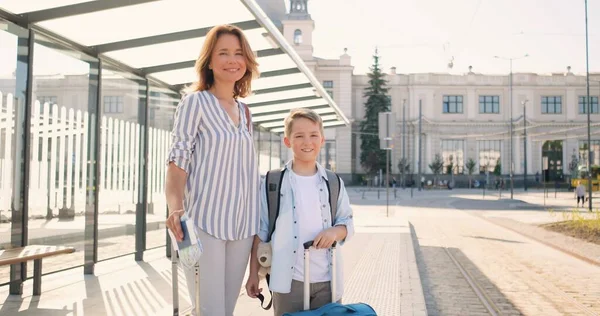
59	160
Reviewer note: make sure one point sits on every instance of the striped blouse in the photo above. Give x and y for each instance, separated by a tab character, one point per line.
221	192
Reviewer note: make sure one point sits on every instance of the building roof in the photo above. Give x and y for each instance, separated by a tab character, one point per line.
161	39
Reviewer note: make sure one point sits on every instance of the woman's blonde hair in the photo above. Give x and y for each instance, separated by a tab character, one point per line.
206	77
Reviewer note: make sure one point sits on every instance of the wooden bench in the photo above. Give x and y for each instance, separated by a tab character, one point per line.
35	253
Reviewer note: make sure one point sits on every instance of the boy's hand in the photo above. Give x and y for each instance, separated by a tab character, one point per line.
252	286
325	239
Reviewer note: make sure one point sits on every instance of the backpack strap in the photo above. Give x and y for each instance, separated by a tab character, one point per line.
333	187
273	182
247	111
274	178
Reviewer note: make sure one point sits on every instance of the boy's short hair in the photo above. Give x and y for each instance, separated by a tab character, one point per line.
301	113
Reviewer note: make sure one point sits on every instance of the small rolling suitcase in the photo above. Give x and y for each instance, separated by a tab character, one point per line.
333	308
175	278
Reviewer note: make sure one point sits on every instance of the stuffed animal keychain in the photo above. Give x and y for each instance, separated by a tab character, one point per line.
264	259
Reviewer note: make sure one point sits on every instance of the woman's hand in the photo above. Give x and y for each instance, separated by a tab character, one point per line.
174	224
252	286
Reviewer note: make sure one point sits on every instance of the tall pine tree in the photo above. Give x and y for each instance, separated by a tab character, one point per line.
371	157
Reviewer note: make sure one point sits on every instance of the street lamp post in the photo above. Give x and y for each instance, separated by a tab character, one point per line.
525	144
510	152
589	108
403	144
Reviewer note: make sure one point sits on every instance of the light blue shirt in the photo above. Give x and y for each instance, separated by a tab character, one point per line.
285	243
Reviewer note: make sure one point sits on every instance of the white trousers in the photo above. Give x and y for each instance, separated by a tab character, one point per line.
222	268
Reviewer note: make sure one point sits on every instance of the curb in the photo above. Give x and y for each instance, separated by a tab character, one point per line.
418	296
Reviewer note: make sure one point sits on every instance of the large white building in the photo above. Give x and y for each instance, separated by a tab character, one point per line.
464	116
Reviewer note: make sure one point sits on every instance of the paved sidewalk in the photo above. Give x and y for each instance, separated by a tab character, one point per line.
527	214
379	269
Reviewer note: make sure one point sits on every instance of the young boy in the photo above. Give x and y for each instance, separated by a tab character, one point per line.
304	215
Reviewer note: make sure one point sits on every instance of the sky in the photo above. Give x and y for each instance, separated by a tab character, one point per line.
419	36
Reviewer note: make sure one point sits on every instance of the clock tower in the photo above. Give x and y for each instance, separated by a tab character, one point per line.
298	27
299	9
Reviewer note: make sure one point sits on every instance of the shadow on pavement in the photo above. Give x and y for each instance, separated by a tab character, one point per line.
9	305
145	292
494	239
446	290
466	204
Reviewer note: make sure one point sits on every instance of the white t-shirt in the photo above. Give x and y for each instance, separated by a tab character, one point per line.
580	190
310	224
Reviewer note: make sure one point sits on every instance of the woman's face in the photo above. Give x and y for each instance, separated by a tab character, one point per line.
227	61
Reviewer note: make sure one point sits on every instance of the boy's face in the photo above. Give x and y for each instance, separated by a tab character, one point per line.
305	140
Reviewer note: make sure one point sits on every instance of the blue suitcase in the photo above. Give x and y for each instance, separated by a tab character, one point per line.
331	309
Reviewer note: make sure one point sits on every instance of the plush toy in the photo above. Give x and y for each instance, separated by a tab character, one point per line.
264	259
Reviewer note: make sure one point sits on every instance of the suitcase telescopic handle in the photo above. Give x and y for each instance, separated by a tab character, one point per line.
309	244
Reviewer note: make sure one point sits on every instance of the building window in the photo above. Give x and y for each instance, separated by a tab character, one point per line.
328	85
583	105
583	152
489	104
48	99
453	155
51	100
489	155
453	104
113	104
327	155
297	37
552	105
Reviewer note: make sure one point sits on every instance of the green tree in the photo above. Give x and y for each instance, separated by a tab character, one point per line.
371	157
498	168
436	166
470	165
450	165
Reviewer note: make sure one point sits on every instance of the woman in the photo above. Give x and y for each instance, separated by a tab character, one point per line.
212	173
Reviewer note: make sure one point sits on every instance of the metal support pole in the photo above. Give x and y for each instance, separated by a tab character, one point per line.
510	166
420	145
91	236
142	205
404	144
544	181
525	146
387	182
589	108
19	199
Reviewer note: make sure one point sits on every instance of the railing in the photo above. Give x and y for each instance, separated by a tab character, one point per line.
59	161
